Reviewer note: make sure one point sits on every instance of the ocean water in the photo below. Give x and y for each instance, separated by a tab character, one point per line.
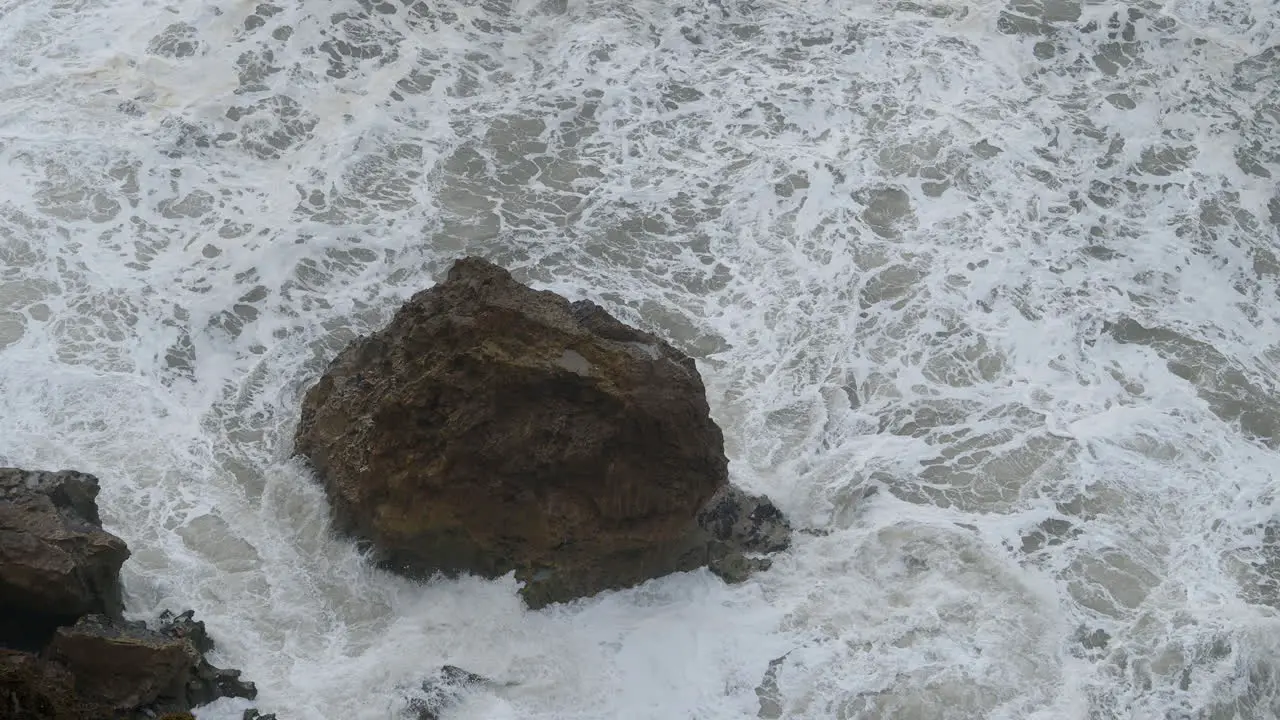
984	294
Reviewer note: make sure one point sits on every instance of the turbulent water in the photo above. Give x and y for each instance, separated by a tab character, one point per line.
984	293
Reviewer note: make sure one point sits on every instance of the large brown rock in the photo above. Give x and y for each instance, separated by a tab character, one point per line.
56	561
125	666
122	666
492	428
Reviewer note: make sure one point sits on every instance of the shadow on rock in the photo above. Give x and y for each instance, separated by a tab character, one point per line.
66	651
492	428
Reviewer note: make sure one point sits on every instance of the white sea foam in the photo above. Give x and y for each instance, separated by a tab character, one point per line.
987	292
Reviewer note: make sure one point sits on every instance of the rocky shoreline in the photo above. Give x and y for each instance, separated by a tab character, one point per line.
66	651
488	429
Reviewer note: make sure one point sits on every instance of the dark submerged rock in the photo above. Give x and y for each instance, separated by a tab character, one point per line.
206	683
492	428
186	627
443	690
768	693
742	525
750	523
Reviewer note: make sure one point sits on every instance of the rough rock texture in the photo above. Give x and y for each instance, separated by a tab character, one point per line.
750	523
56	562
66	652
740	523
767	691
204	683
121	669
492	428
186	627
122	665
208	683
31	689
444	689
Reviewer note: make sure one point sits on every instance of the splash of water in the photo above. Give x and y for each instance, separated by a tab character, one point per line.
982	291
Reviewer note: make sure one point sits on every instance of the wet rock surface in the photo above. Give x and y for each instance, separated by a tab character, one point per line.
742	527
492	428
121	666
66	651
751	523
768	693
205	682
186	627
444	689
56	561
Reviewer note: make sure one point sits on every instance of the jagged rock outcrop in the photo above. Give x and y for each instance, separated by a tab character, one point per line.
743	529
204	682
767	691
125	665
746	522
444	689
105	669
493	428
122	666
56	561
66	652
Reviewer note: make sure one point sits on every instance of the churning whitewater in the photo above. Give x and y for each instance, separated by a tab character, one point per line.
984	293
